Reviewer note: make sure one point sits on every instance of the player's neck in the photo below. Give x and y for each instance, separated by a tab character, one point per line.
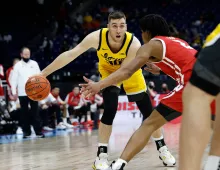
115	45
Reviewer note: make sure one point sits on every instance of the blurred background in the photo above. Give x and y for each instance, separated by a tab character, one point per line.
50	27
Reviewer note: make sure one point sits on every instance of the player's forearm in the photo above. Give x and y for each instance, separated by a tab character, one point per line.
124	72
62	60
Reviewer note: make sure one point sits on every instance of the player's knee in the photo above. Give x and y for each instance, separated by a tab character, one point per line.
110	96
151	125
144	105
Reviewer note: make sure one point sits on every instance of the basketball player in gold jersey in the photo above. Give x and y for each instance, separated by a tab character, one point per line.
115	47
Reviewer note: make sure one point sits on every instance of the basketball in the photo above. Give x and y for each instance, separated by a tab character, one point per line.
37	88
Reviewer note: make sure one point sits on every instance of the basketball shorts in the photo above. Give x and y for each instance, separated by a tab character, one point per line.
206	71
133	86
213	108
171	106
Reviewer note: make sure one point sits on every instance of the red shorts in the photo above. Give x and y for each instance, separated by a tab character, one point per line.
213	107
174	101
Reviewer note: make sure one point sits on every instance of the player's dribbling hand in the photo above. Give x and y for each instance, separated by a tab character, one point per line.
152	68
89	89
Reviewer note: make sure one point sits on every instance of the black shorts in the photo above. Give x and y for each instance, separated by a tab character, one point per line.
167	112
206	71
171	114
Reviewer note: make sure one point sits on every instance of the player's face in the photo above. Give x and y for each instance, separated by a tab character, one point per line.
117	29
145	37
76	90
26	53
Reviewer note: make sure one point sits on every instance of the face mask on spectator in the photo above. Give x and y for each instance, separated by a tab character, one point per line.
164	89
25	59
151	86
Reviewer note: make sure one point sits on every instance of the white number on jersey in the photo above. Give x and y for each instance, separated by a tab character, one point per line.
183	44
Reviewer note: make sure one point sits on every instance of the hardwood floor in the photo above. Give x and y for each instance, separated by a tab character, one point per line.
76	150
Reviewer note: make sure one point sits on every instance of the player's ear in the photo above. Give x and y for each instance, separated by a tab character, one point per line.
126	28
108	26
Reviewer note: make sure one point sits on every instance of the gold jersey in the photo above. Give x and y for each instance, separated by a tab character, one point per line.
109	62
213	36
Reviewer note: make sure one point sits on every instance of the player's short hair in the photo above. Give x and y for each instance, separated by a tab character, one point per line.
116	15
155	24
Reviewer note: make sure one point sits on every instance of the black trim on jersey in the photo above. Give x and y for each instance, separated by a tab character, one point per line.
121	45
162	73
129	44
100	40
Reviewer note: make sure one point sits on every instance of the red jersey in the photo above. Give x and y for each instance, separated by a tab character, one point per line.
178	58
8	75
1	77
156	100
73	100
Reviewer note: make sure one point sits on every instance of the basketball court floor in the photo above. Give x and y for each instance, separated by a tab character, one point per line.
75	149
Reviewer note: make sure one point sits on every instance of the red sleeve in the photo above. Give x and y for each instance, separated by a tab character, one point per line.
7	75
72	102
69	99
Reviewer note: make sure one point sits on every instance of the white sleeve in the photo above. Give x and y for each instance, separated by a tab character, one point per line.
37	68
98	99
59	99
51	98
1	71
42	102
10	76
14	80
67	98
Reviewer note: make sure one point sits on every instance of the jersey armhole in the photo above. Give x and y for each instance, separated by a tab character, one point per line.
164	46
132	36
100	40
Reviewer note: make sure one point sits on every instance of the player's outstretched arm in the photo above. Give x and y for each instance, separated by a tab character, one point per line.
90	41
153	48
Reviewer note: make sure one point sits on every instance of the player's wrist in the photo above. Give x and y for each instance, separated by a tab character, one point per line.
44	73
101	85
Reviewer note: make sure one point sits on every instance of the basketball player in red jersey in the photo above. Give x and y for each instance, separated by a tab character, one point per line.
160	52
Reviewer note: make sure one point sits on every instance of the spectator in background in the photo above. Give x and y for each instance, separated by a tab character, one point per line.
95	73
77	106
173	30
48	107
62	105
10	71
21	72
1	86
13	101
96	102
15	114
47	47
152	92
164	88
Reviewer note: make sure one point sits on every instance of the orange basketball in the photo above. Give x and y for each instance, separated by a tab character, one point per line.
37	88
